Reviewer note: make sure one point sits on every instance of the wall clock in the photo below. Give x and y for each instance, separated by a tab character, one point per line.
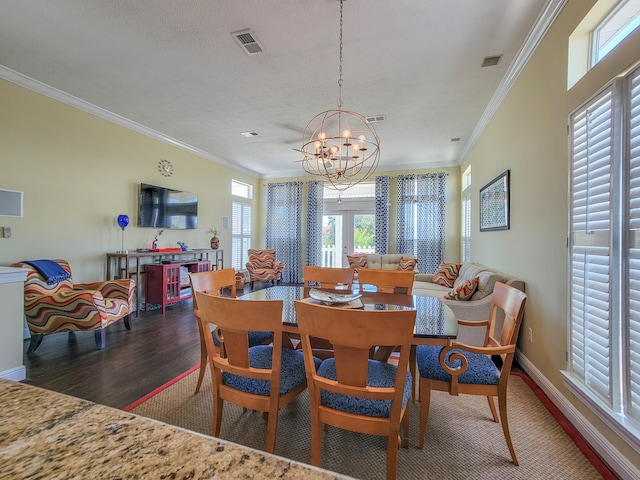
165	168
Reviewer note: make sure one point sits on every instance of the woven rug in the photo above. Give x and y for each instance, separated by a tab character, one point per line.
462	441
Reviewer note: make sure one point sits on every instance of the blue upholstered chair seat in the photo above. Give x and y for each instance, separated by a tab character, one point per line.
292	372
481	369
379	374
255	338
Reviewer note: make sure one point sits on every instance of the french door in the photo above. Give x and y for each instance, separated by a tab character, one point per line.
346	231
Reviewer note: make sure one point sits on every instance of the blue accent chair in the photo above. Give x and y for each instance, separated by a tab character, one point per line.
350	390
460	368
263	377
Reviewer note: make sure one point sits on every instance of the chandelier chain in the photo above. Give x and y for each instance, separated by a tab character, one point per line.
340	68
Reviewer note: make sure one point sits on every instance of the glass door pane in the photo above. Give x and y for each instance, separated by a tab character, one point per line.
332	240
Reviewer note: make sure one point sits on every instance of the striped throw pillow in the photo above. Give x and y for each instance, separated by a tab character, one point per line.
446	274
464	291
357	260
407	263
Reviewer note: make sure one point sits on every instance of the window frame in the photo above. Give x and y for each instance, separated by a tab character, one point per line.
612	404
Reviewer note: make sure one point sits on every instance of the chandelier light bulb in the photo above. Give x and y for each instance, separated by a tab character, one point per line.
346	133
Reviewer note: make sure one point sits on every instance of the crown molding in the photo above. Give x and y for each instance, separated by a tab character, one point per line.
51	92
545	19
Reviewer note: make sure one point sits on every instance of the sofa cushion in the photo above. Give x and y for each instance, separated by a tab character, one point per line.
446	274
464	291
486	279
407	263
357	260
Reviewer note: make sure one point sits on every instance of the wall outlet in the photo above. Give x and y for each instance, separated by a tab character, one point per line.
530	334
6	232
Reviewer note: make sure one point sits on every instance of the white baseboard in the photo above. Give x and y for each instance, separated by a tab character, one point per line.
17	373
605	449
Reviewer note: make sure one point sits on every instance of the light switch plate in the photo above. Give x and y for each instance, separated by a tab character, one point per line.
6	232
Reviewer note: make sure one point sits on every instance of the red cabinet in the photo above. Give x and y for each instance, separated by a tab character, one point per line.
169	283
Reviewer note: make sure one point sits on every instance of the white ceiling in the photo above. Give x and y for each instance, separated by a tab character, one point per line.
172	69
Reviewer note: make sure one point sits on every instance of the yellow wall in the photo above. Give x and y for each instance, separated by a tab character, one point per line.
78	172
528	134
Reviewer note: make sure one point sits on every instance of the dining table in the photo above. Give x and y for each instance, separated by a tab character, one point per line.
436	324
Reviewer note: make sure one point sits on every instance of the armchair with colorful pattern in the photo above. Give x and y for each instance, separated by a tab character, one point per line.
57	305
263	266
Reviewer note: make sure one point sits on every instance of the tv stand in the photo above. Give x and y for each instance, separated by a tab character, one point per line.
133	265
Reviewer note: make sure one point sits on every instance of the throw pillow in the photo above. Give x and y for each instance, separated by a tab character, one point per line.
464	291
357	260
446	274
407	263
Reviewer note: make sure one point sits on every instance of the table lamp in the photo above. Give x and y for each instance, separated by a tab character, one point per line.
123	221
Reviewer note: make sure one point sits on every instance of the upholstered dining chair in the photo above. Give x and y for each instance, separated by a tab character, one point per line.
468	369
212	282
263	377
263	266
387	281
53	303
351	391
327	277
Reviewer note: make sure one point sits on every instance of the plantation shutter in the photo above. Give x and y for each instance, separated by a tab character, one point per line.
633	261
466	227
590	224
240	233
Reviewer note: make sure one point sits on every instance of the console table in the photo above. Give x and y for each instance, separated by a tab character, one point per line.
128	265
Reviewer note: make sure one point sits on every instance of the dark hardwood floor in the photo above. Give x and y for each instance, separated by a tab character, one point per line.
156	349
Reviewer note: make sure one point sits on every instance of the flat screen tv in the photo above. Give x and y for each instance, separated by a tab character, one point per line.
166	208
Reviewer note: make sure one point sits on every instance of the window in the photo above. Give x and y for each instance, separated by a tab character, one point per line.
465	254
240	234
240	189
617	26
604	296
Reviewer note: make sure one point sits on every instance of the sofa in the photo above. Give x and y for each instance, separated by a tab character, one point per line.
387	261
478	306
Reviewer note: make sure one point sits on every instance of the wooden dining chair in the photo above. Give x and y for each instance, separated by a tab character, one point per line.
212	282
351	391
392	281
327	277
387	281
262	377
468	369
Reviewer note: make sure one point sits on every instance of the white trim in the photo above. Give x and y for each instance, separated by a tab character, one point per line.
605	449
100	112
13	275
546	18
16	373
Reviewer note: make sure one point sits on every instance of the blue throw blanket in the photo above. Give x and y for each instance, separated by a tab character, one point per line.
50	270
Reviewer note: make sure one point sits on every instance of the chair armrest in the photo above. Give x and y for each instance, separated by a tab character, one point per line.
122	289
424	277
278	266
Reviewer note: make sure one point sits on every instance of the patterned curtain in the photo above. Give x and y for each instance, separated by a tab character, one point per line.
284	231
382	214
421	218
314	223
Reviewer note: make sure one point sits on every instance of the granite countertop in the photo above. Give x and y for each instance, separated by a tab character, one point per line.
44	434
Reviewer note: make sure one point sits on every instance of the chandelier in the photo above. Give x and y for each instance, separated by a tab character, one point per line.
340	148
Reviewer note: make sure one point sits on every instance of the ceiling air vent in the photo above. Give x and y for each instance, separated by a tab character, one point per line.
247	40
491	61
376	118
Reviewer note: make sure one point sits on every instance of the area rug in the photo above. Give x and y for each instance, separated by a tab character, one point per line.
462	441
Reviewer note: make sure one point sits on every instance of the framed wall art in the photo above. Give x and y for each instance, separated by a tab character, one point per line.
494	204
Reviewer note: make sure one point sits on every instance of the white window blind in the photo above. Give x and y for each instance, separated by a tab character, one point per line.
633	256
240	234
466	226
605	255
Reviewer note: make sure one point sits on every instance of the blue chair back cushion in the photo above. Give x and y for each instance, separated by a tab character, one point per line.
481	369
255	338
379	374
292	372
